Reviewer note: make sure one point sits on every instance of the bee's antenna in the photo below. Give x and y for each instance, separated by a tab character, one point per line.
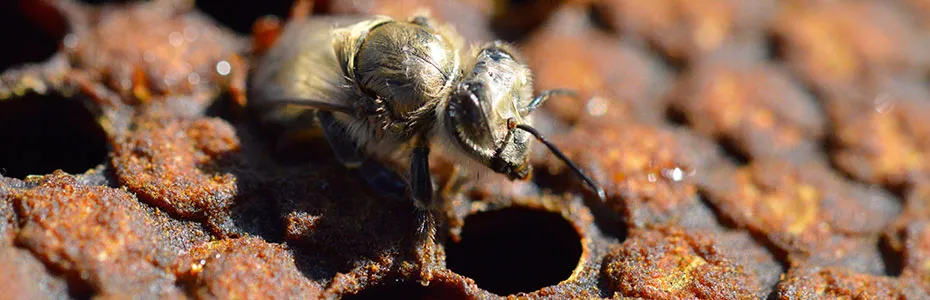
555	150
539	100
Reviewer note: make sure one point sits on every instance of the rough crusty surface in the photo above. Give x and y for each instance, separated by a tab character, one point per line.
670	263
216	269
748	149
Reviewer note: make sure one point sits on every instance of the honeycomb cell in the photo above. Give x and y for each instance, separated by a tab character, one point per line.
688	30
752	256
881	135
915	212
515	250
917	253
672	263
838	45
647	171
42	134
244	268
756	106
834	283
240	15
613	79
512	20
177	164
39	30
148	50
801	209
102	239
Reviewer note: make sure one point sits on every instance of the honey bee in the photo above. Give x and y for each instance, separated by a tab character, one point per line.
388	89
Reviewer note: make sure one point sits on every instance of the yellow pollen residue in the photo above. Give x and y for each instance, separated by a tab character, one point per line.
829	50
901	157
635	162
681	277
763	118
803	209
710	33
196	268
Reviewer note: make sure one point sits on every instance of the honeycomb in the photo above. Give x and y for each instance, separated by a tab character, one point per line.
749	150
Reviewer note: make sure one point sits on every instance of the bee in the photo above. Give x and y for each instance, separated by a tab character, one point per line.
386	89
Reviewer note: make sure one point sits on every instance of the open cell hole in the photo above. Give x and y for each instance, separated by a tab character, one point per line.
41	134
732	151
676	117
515	250
239	15
32	32
520	17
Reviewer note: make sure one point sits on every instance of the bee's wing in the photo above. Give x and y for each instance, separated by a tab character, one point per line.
302	69
312	103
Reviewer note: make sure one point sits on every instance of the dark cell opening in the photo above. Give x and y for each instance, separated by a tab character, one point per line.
675	116
239	15
521	17
894	260
515	250
409	290
732	151
601	18
41	134
224	107
775	47
677	65
32	32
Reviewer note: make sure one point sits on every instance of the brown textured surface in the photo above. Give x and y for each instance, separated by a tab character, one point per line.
839	283
646	170
756	106
749	150
243	268
673	264
101	235
801	210
174	164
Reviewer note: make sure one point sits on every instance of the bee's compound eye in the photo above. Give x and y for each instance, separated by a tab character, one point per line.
468	118
496	54
422	21
467	103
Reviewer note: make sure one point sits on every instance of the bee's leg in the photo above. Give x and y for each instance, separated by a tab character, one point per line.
377	175
422	187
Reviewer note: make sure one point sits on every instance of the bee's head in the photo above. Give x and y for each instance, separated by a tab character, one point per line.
488	114
488	138
484	107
